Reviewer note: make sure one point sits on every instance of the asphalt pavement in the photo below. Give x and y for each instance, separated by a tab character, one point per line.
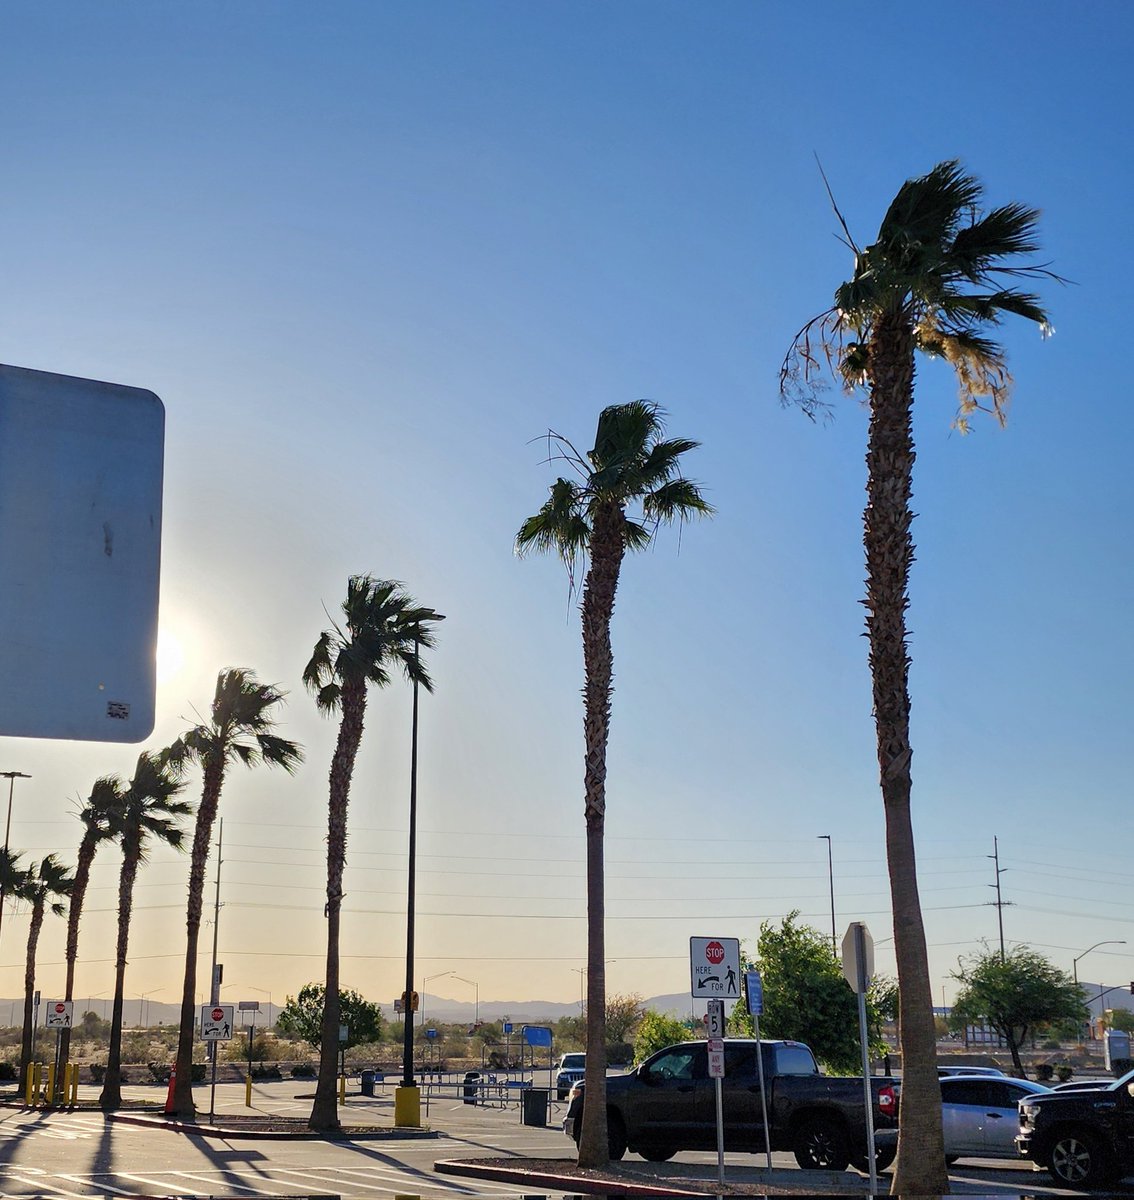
461	1150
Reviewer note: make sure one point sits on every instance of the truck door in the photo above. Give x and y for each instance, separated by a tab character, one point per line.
740	1100
668	1110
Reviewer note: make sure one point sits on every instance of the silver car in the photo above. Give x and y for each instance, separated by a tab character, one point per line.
980	1115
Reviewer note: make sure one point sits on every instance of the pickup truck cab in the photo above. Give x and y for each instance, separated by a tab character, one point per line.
669	1104
1085	1139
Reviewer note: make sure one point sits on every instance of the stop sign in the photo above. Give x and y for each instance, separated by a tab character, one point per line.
60	1007
714	952
218	1014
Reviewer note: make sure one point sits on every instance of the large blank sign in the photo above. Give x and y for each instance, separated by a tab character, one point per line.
80	551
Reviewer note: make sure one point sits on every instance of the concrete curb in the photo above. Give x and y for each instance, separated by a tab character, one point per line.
566	1184
343	1134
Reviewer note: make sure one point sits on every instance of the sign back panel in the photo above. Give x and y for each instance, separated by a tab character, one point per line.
80	549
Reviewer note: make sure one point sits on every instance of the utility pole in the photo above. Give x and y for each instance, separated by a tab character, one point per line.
11	777
995	856
831	880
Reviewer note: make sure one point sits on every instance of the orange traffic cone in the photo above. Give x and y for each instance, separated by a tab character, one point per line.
169	1094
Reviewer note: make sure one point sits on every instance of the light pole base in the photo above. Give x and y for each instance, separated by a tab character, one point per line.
407	1108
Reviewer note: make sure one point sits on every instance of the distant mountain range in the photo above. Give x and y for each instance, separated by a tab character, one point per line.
436	1008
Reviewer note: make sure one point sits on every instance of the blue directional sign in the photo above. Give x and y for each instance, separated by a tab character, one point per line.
754	993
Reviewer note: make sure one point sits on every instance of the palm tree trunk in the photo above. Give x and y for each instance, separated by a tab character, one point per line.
325	1110
74	914
111	1097
920	1167
606	550
29	988
202	835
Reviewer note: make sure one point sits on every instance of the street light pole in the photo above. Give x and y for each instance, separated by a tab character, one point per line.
409	1113
1075	961
11	777
476	997
424	993
831	879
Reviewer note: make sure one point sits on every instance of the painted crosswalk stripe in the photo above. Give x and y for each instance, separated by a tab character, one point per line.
90	1179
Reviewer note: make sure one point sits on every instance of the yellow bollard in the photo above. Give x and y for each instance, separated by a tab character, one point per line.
248	1092
407	1108
29	1085
49	1090
342	1089
74	1083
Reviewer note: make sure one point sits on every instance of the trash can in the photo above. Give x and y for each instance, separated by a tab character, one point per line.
472	1078
367	1085
534	1101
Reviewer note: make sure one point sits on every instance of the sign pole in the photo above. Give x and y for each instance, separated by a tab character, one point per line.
763	1092
858	970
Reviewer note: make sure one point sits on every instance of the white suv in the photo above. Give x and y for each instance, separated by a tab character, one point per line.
570	1072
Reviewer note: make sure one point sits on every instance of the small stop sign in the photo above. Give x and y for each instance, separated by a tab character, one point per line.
60	1007
714	952
218	1014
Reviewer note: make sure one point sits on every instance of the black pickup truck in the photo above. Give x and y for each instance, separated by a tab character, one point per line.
669	1104
1085	1139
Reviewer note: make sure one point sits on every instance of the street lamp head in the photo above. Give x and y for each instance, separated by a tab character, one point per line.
14	775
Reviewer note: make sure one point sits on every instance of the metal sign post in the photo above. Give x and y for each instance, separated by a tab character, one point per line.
715	1020
215	1026
858	970
754	996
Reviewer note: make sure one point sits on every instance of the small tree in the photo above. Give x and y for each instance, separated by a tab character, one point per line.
302	1017
806	997
1016	994
655	1031
622	1016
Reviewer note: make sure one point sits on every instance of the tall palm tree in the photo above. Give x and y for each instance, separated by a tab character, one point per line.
382	631
98	815
150	809
628	485
40	886
936	278
241	729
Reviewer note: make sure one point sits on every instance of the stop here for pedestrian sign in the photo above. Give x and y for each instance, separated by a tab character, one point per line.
714	965
216	1022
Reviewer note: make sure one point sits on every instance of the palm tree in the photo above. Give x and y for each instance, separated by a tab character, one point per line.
39	886
933	281
97	815
631	470
383	629
149	809
243	718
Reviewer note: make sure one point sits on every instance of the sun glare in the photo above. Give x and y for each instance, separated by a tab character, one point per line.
170	656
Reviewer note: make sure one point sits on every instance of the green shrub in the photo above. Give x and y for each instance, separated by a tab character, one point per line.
304	1071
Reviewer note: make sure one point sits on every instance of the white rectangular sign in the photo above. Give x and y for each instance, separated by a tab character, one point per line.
715	1019
216	1022
58	1014
716	1058
714	965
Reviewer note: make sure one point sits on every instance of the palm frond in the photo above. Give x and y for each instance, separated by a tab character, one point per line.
677	500
328	698
1003	232
279	752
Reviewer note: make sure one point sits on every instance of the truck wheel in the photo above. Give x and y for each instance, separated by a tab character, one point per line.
657	1153
615	1136
1079	1160
821	1145
883	1157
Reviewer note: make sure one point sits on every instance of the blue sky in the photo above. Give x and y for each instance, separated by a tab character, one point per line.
368	253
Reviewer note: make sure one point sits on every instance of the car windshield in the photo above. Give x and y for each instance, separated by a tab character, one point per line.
573	1062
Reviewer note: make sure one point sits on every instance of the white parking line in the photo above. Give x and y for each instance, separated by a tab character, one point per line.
221	1178
90	1179
38	1184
